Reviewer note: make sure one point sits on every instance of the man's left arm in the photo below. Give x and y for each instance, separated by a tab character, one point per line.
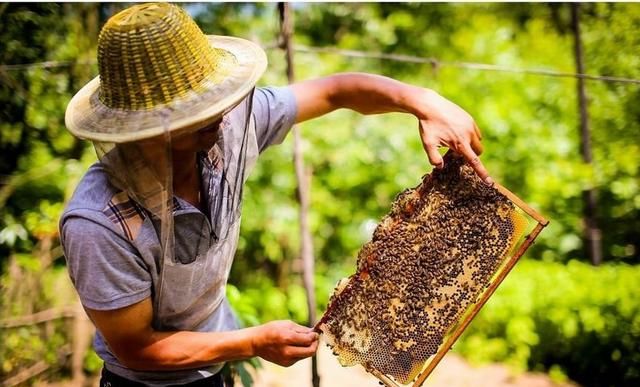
440	121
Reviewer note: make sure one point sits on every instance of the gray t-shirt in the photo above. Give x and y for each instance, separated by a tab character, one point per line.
113	252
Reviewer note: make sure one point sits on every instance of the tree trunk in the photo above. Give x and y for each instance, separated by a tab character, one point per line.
303	176
592	234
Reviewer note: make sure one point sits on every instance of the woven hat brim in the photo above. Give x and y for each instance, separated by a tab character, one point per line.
88	118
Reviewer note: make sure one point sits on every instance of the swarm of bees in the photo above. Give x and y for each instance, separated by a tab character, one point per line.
429	260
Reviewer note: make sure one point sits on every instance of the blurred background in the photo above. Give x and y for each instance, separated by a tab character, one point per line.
570	309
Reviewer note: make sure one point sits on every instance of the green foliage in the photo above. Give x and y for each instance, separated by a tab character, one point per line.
267	302
574	318
33	287
529	124
35	146
92	363
234	370
25	346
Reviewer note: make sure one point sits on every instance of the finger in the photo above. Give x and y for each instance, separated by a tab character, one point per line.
301	328
431	148
476	164
476	145
301	352
434	156
476	129
294	327
302	339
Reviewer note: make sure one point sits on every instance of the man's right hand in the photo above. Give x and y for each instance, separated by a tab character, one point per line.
284	342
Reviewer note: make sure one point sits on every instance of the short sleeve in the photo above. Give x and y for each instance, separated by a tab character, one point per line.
274	112
104	266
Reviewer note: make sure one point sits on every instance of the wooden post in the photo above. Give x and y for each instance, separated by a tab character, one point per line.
303	177
592	234
81	341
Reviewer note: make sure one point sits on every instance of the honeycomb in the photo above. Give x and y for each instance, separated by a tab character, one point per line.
428	262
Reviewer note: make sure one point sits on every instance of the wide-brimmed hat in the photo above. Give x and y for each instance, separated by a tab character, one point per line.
159	73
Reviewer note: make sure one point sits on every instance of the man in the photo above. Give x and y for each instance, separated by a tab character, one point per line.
151	230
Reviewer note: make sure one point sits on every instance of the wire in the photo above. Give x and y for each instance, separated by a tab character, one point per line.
434	62
44	65
468	65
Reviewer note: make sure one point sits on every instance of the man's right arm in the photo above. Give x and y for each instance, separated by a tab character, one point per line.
138	346
114	286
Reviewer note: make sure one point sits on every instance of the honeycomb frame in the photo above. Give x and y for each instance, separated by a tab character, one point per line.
419	372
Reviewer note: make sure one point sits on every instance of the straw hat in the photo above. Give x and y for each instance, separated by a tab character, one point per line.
158	73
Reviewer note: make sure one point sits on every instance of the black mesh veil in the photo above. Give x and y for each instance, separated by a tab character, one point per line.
231	159
143	169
